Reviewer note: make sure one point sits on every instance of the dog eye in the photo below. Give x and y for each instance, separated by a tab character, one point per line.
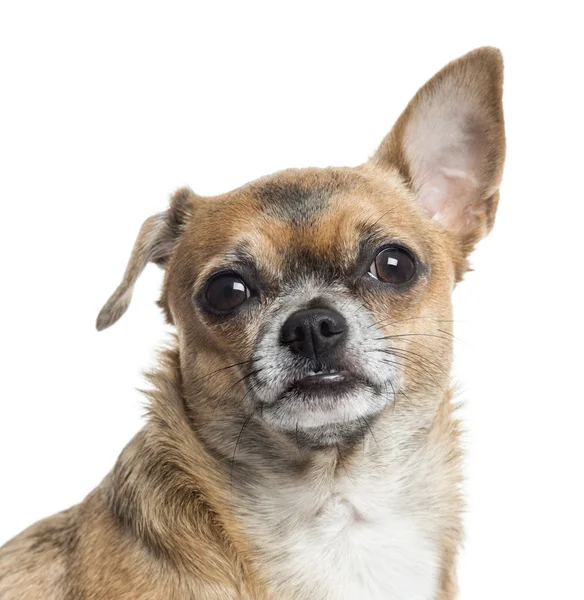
393	265
226	292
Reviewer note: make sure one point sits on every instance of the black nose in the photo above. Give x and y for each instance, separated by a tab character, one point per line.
314	332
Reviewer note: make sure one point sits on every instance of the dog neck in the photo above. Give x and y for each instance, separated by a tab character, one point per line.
245	479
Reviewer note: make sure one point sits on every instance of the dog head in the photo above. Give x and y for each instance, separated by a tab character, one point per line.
313	300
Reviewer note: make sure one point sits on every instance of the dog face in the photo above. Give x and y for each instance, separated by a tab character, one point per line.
307	279
315	300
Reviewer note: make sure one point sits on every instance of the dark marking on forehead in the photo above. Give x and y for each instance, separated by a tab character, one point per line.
304	262
293	201
299	199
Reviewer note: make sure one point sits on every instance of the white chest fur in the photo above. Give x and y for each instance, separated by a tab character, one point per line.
354	556
359	542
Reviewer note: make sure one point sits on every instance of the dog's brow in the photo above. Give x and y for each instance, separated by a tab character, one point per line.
242	255
371	234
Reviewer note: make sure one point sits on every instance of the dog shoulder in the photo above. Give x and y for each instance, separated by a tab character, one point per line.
33	565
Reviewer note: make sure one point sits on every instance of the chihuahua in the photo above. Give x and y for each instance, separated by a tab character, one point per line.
301	441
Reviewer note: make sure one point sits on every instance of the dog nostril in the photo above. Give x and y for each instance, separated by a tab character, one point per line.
325	329
299	334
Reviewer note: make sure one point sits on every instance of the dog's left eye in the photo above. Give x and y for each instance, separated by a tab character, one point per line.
226	291
393	265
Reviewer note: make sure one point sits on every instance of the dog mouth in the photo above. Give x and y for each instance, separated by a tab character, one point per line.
319	405
324	406
313	386
324	382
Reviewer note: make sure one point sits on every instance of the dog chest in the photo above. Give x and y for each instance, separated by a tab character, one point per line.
355	549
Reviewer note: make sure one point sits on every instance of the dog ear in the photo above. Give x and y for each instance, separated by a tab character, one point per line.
449	145
154	243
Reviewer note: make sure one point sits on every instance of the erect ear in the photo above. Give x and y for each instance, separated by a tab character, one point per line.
154	243
449	144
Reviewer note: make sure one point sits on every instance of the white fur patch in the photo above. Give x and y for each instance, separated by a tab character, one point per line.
360	541
372	555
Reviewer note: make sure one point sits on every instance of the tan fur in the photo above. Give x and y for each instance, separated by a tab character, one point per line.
175	518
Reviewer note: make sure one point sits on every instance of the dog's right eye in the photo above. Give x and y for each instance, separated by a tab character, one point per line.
226	291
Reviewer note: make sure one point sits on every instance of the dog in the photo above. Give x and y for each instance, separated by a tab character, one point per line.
301	440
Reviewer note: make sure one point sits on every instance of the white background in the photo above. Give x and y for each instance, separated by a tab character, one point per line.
106	108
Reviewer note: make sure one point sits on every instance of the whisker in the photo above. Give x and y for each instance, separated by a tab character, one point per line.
237	445
455	338
411	319
224	396
247	420
421	371
392	389
409	400
400	335
238	364
370	431
342	464
381	217
420	356
393	402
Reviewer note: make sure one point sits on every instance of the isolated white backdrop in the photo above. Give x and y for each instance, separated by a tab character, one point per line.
106	108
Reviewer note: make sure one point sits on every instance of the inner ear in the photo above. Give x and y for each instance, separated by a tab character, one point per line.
449	144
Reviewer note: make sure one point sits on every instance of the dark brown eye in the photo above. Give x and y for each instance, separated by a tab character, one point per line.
393	265
226	292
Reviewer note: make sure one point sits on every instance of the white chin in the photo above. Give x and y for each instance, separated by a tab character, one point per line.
296	411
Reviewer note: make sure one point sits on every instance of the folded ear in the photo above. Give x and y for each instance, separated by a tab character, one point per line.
154	243
449	144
